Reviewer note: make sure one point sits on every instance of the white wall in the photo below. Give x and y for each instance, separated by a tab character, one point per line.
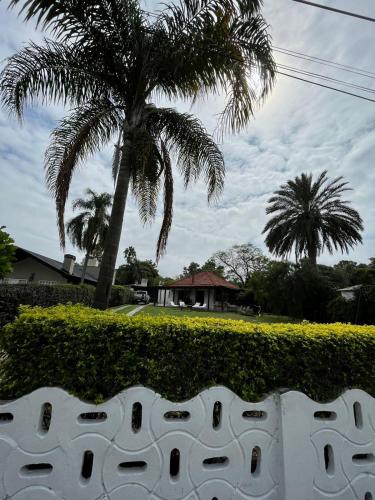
191	293
283	448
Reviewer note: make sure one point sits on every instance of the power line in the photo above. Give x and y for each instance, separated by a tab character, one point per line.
325	62
326	86
324	77
339	11
315	75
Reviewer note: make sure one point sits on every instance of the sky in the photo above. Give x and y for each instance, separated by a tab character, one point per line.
300	128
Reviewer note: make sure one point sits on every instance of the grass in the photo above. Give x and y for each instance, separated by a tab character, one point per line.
171	311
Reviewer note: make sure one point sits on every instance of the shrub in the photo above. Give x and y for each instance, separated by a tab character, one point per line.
121	295
47	295
8	310
50	295
340	309
95	355
360	310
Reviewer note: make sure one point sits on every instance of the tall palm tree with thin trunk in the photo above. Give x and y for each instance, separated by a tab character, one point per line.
111	60
311	216
87	230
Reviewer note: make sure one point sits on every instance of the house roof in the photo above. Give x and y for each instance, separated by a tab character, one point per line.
91	273
205	279
350	288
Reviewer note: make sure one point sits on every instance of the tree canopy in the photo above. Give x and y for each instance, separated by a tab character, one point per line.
240	262
7	251
134	270
311	216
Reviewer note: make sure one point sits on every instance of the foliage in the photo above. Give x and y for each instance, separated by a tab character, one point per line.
7	251
190	270
360	310
311	216
352	273
240	262
88	229
296	290
49	295
134	270
121	295
8	309
111	352
270	288
308	293
209	266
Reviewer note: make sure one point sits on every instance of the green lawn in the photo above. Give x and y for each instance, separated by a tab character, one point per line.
171	311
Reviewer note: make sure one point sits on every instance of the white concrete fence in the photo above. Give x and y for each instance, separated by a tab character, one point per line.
216	446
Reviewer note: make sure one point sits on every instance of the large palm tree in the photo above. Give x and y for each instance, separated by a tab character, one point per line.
311	216
87	230
110	60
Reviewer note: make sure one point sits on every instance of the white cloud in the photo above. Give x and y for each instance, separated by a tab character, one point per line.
300	128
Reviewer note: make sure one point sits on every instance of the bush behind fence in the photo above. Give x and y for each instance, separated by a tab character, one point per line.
95	355
11	296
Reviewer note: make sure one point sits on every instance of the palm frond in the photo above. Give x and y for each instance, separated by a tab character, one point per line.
54	72
146	164
168	202
310	216
225	51
196	152
77	137
88	229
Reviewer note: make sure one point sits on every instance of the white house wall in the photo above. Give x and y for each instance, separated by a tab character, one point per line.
286	447
209	296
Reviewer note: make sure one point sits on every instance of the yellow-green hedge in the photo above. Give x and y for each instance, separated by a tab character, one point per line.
96	354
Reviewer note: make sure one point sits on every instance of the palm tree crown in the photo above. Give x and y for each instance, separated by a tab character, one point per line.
311	217
87	230
110	60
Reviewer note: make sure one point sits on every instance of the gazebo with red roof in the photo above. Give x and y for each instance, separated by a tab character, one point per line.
205	288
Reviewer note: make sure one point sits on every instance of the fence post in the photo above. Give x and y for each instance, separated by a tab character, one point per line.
297	450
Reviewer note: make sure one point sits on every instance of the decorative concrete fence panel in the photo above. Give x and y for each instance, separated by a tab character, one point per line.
216	446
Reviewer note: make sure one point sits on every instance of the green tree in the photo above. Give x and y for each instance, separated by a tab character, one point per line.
109	60
269	287
192	268
135	270
7	251
211	266
87	231
240	262
311	216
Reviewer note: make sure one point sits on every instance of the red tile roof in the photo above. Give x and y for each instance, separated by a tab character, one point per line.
205	279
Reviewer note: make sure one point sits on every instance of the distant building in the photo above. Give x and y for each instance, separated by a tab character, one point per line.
349	292
205	288
31	267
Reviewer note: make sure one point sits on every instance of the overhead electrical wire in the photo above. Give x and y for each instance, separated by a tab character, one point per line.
326	86
338	11
324	62
324	77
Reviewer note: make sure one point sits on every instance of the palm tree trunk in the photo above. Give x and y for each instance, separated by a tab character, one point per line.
312	255
112	240
87	256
